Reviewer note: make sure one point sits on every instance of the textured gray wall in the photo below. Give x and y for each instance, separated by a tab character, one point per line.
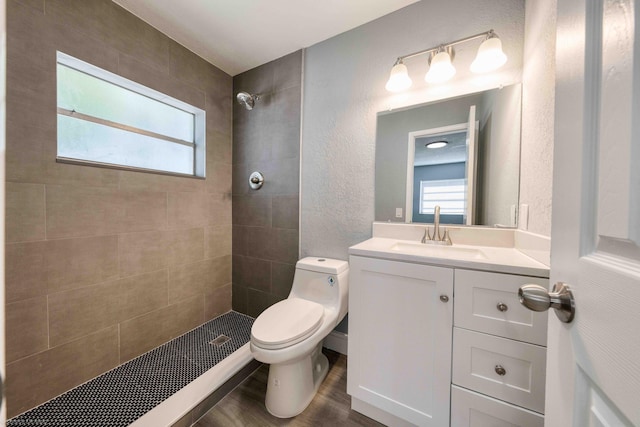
265	221
344	89
538	94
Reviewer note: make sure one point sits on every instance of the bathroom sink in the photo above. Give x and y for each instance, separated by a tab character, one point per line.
438	251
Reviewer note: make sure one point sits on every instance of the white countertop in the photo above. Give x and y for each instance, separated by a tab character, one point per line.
498	259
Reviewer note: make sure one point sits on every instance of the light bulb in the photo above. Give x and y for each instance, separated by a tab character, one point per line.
440	69
398	79
437	144
490	56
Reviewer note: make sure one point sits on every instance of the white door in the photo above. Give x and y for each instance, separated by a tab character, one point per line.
593	370
470	172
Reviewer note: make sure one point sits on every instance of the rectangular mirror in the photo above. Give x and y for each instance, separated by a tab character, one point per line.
462	154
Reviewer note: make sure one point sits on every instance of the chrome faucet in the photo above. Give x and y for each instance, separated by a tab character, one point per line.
436	224
438	239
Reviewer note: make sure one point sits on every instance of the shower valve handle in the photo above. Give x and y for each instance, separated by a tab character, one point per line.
256	179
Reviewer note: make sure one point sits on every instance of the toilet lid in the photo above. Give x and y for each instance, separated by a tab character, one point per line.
286	323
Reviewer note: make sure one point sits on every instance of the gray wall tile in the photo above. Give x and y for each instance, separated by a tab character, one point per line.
219	149
217	302
253	210
252	273
25	272
282	122
258	301
287	71
188	280
145	332
217	241
184	246
265	222
133	69
26	326
80	262
76	313
25	213
219	112
38	378
142	294
240	237
285	211
25	152
282	278
219	176
99	243
158	182
239	298
187	210
219	208
81	211
142	252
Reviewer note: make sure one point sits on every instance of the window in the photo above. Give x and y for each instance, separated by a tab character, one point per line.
105	119
449	194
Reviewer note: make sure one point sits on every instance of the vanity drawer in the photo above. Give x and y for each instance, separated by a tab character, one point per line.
470	409
480	359
488	302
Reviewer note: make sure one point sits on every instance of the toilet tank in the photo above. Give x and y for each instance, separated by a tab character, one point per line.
323	280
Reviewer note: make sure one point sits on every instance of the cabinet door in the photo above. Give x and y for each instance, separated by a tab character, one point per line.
400	338
469	409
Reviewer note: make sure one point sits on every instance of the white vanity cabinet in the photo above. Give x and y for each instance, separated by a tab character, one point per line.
420	356
400	320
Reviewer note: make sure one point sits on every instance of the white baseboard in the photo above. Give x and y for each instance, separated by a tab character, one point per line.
377	414
336	341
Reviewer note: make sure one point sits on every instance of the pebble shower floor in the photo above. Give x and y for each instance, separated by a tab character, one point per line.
124	394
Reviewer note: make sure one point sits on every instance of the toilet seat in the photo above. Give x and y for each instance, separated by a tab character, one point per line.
286	323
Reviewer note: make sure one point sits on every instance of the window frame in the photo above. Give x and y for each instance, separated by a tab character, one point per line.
424	184
199	138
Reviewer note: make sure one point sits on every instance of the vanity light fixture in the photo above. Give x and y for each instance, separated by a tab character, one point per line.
490	57
440	67
436	144
399	79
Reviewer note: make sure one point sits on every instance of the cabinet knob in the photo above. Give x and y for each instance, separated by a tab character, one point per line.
500	370
502	307
444	298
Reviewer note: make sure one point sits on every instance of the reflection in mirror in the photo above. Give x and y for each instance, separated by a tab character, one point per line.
474	177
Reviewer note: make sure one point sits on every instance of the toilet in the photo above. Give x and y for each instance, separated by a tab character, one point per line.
288	335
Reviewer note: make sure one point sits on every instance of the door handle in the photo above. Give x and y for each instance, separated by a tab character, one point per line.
537	298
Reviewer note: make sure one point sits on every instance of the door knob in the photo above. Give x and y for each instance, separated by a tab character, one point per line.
537	298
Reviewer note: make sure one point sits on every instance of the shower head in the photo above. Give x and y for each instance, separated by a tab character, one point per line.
247	100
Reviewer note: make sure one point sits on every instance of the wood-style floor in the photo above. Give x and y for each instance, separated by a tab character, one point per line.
244	406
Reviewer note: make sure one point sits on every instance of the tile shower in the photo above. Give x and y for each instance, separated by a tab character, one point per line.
103	265
265	221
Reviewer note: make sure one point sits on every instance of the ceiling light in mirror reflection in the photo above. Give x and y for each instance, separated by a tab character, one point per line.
436	144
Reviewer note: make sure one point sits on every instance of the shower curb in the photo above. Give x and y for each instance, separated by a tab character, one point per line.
126	393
